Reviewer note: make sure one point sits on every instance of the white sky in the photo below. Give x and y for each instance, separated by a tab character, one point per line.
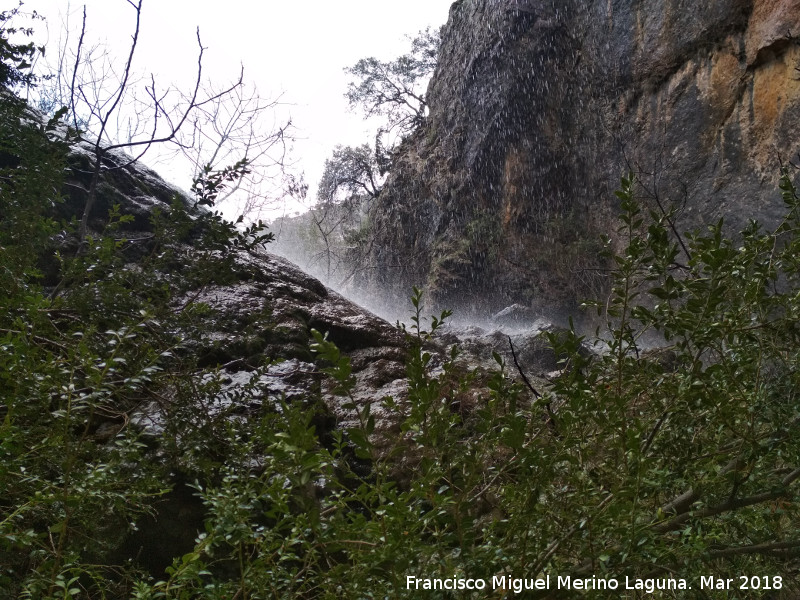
295	48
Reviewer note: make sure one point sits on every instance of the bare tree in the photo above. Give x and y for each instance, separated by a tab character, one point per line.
233	125
349	183
114	109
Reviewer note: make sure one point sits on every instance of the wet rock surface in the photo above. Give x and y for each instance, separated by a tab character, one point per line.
266	311
296	303
252	336
514	315
522	347
538	107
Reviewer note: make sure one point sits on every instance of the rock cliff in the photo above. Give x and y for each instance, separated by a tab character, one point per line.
266	308
536	109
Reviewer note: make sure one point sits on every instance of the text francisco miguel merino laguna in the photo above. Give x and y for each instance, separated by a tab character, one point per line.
566	582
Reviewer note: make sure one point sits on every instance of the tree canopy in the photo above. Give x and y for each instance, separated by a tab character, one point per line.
16	59
350	172
394	89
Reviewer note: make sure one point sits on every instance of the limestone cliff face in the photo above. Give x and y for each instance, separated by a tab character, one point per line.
536	109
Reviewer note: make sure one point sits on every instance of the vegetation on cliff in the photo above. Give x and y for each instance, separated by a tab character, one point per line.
334	238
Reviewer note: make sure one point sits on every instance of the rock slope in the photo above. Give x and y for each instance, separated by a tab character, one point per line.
267	308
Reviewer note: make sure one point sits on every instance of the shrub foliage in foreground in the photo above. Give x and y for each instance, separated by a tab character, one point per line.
677	463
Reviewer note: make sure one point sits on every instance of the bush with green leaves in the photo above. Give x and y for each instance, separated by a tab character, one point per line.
680	461
16	59
86	337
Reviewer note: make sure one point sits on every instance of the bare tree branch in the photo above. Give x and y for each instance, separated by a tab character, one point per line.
75	70
769	548
683	503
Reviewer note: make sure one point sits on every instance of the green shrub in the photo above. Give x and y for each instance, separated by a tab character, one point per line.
631	465
80	350
680	461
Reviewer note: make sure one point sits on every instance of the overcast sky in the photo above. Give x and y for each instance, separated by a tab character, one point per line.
294	49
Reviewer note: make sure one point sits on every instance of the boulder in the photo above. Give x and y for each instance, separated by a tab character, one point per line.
515	315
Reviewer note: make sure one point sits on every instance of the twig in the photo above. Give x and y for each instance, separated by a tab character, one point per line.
682	504
551	420
780	548
37	338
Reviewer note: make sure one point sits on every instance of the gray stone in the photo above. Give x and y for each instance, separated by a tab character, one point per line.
515	315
